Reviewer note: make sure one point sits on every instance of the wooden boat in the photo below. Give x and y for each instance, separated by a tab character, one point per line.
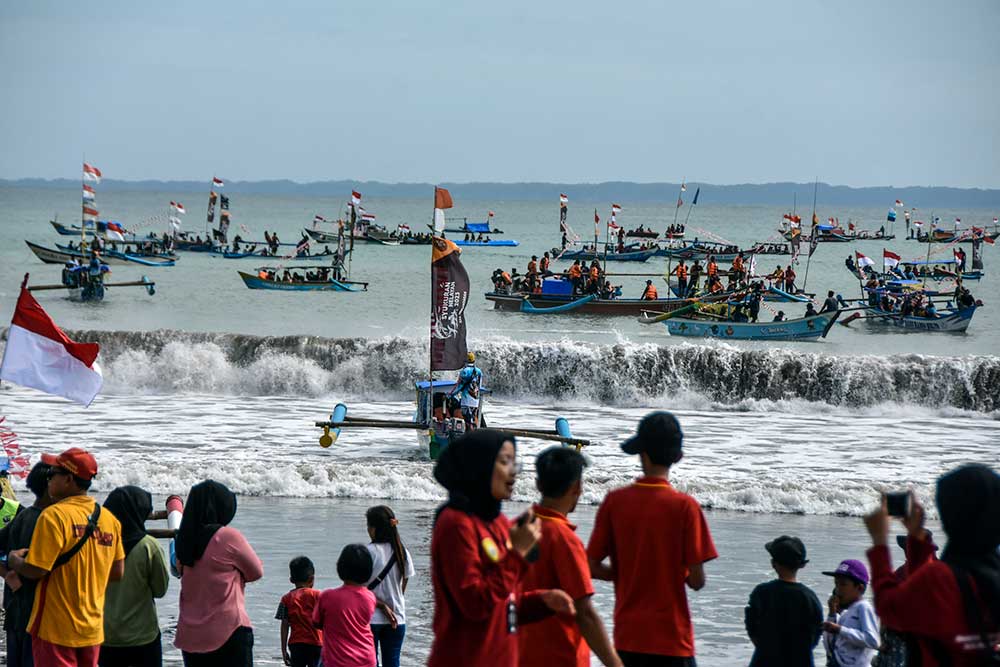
331	284
87	285
770	249
488	243
473	228
580	304
964	236
62	256
647	234
951	320
722	252
589	254
700	322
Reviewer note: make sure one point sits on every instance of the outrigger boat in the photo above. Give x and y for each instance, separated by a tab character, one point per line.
950	320
700	320
271	280
488	243
60	256
86	283
610	255
434	418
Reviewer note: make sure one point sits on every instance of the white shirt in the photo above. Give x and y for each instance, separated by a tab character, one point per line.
858	640
390	591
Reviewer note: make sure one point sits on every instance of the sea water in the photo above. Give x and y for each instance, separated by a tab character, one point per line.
210	379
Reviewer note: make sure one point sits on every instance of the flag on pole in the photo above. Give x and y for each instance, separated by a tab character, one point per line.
91	173
88	193
489	214
697	192
684	187
680	202
450	284
178	207
90	213
442	200
615	208
958	223
862	260
114	231
899	203
890	260
918	223
217	182
563	199
318	218
40	356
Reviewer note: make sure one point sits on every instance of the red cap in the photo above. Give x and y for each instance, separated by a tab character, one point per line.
78	461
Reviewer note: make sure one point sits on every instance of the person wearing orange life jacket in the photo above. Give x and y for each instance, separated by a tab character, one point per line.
714	285
778	277
505	280
576	275
712	270
545	264
533	265
682	278
789	280
739	268
649	294
262	274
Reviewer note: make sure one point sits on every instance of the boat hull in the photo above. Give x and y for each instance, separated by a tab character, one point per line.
503	243
953	321
256	282
805	328
637	256
626	307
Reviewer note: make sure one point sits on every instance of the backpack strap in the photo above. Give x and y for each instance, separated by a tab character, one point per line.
87	533
383	574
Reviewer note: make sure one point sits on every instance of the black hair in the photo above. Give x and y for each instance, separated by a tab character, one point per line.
301	570
557	469
38	479
81	483
383	520
355	564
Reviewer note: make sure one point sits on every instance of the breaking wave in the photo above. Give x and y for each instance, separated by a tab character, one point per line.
634	374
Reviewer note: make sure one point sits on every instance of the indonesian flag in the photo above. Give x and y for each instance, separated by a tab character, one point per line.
615	208
442	200
612	224
489	214
995	221
40	356
958	222
318	218
90	213
862	260
178	207
368	216
597	218
355	197
115	231
91	173
850	226
88	193
405	228
563	199
889	259
217	182
899	203
918	223
684	187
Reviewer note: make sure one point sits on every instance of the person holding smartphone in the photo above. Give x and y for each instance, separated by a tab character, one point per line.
478	558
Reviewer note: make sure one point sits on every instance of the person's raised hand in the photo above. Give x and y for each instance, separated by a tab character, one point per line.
914	521
877	523
559	601
526	533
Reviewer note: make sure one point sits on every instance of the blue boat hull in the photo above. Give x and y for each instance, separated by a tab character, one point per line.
504	243
255	282
950	321
806	328
637	256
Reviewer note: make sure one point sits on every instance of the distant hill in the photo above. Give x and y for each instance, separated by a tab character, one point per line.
776	194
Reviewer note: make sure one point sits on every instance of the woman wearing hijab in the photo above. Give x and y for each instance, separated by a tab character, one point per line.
478	558
131	627
951	606
216	562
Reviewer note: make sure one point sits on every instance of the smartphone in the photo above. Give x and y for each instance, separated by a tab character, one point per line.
898	503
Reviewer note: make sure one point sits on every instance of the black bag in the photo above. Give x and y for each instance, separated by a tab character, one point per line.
87	533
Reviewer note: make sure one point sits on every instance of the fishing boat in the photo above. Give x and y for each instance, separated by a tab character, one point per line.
435	419
643	233
87	284
700	320
270	278
964	236
488	243
474	227
65	254
950	320
588	253
770	249
722	252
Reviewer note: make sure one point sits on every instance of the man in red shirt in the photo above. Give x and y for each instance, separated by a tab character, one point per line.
562	640
657	540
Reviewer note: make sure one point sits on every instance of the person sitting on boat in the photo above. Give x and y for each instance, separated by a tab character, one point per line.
714	285
544	265
777	277
682	278
965	299
470	379
789	280
533	265
576	275
649	294
849	263
930	311
739	314
479	239
780	317
810	309
830	303
694	277
712	269
881	231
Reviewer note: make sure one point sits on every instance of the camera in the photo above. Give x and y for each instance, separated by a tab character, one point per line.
898	503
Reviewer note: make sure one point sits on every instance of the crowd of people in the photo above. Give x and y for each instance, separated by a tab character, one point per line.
82	578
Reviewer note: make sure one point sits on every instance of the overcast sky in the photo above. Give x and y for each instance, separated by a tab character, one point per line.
896	92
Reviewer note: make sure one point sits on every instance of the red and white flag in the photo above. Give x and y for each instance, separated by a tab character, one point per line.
90	213
899	203
217	182
404	227
177	206
615	208
918	223
318	218
368	217
613	225
489	214
889	259
862	260
563	199
88	193
995	221
40	356
91	173
355	197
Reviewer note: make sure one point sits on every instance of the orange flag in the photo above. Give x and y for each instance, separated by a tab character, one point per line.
442	198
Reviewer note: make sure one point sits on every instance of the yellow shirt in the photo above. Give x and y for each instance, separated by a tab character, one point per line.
69	601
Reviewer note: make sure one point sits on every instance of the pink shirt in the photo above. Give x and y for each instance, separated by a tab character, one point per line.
212	604
344	614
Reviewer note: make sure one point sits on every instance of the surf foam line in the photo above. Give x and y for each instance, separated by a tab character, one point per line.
625	373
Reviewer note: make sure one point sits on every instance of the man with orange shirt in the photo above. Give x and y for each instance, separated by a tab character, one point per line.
657	540
562	641
75	551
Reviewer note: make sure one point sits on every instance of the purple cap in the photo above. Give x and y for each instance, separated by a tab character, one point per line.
854	569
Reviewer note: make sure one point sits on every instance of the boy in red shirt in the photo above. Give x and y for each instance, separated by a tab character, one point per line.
295	612
657	540
562	640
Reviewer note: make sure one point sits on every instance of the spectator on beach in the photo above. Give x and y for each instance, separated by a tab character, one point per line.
344	614
131	626
77	549
850	632
300	640
784	618
562	564
479	559
658	541
951	606
17	603
216	563
392	567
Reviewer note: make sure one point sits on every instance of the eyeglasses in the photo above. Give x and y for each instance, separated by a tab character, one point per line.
56	471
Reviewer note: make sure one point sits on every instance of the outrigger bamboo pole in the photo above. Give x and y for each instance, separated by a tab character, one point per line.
134	283
387	423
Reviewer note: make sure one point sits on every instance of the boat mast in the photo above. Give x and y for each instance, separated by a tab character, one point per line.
813	232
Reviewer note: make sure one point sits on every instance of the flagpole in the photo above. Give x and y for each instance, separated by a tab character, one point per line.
430	342
688	216
677	206
812	233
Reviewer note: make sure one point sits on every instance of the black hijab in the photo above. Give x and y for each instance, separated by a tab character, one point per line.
968	501
466	470
131	506
210	506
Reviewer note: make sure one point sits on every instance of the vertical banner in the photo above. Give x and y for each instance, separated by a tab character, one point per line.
223	203
450	283
211	206
563	210
977	254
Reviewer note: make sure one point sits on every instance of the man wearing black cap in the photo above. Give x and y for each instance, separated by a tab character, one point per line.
657	540
784	618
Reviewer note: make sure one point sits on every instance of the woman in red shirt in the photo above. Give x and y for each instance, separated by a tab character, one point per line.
478	559
952	626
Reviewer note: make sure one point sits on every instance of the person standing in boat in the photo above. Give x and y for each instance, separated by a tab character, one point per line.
470	379
682	278
789	280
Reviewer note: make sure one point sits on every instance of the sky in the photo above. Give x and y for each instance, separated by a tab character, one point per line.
852	92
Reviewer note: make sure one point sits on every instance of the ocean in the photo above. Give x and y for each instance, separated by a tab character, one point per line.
209	379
